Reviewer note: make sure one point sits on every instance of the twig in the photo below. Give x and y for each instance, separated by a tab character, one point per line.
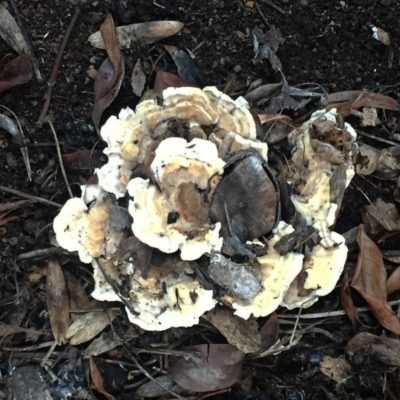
60	158
338	313
24	150
368	135
54	71
29	196
48	354
42	253
34	61
277	8
262	15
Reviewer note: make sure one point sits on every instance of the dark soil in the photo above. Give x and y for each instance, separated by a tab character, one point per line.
328	42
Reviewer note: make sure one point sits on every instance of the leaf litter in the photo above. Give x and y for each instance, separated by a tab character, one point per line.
281	97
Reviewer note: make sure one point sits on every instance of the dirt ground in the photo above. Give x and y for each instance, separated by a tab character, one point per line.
328	42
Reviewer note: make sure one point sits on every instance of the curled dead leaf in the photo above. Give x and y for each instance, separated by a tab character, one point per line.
384	349
145	33
393	282
347	301
239	332
164	80
16	72
337	369
97	380
109	78
84	159
370	282
218	367
57	301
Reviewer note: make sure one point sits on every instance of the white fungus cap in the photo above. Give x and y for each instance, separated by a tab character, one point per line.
275	273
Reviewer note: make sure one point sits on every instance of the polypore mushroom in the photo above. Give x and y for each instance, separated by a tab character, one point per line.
176	215
321	146
83	225
169	297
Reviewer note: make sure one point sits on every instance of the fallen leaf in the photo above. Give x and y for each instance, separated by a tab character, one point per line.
138	79
266	45
57	301
187	68
370	282
6	330
347	301
393	282
5	221
367	159
164	80
383	214
347	101
293	98
11	32
269	332
381	35
265	92
145	33
218	367
337	369
239	332
245	182
264	118
88	326
383	349
109	78
97	380
392	255
105	342
16	72
151	389
84	159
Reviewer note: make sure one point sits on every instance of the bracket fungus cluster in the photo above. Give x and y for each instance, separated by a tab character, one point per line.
188	183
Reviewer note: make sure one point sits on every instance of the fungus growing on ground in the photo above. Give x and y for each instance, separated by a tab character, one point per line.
200	188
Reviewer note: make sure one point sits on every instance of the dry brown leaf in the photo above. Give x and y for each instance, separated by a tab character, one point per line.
57	300
264	118
105	342
5	221
350	100
164	80
109	78
138	79
145	33
393	282
97	380
88	326
6	330
337	369
269	332
381	348
17	72
366	160
218	367
84	159
347	301
239	332
383	214
370	282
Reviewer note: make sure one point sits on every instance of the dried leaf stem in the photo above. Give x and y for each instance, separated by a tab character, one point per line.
60	158
54	71
29	196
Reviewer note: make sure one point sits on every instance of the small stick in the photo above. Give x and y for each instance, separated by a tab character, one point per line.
262	16
60	158
271	4
34	61
338	313
30	197
54	71
42	253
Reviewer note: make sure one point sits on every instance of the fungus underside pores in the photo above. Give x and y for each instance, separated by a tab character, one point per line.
177	163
